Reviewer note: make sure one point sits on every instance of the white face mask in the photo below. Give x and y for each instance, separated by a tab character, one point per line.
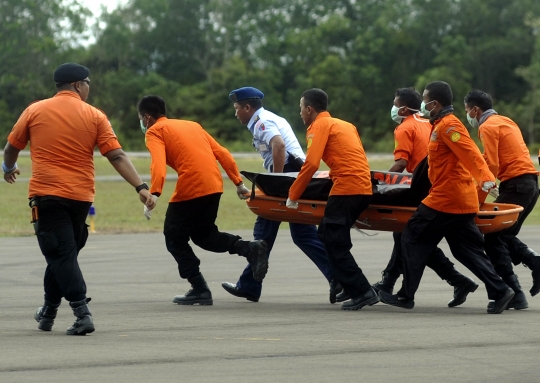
394	113
473	121
424	111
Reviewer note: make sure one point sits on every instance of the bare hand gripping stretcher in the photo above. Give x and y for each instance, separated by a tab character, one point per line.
395	198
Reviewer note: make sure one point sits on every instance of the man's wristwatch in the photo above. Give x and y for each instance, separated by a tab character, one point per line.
141	187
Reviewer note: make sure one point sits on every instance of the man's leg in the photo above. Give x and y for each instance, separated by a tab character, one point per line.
251	289
467	245
307	240
62	232
335	232
393	270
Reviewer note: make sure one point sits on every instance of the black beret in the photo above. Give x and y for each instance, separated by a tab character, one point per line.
70	72
245	93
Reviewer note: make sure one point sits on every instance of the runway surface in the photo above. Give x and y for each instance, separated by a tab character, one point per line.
293	334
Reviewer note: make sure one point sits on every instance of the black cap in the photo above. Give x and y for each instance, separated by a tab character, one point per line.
70	72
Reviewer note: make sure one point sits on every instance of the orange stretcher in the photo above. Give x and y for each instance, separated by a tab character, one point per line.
492	217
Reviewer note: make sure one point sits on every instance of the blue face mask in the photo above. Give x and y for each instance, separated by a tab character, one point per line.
143	128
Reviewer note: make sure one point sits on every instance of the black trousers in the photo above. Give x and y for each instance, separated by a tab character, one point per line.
335	232
62	233
195	219
504	247
437	261
426	228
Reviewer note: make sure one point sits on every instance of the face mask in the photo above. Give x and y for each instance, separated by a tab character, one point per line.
424	111
143	128
394	114
473	121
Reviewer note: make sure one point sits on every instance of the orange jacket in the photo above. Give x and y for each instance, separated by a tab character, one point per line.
187	148
338	144
411	141
504	149
63	132
454	159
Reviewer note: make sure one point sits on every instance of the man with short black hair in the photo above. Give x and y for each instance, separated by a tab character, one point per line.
509	160
187	148
63	132
338	144
274	139
411	138
451	206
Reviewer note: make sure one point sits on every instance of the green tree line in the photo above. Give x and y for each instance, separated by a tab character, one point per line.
194	52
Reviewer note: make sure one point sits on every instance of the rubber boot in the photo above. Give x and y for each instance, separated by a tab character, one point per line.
84	324
199	293
256	254
45	315
386	284
462	285
532	260
519	301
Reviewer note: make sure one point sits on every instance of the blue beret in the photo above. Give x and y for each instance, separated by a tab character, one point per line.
70	72
245	93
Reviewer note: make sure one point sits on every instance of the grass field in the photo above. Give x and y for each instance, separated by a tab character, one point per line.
118	209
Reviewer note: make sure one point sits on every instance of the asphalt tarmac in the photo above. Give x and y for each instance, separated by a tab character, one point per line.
293	334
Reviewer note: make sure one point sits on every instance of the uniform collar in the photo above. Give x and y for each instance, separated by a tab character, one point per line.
69	93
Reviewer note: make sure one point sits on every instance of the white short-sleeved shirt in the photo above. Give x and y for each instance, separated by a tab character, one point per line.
264	125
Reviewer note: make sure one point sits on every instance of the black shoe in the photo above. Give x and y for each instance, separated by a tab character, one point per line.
335	289
519	301
499	305
233	290
84	324
394	300
258	259
535	289
386	284
199	293
45	315
461	290
343	296
369	298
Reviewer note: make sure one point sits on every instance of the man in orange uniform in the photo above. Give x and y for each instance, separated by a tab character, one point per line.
411	148
187	148
449	209
510	161
338	144
63	132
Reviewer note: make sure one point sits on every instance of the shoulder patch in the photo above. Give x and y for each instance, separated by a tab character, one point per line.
395	144
455	137
262	127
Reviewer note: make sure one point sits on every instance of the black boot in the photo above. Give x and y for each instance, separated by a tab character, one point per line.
386	284
519	301
84	324
462	287
199	293
532	260
45	315
335	290
256	254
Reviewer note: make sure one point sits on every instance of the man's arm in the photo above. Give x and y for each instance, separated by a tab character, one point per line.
9	165
120	161
398	166
278	153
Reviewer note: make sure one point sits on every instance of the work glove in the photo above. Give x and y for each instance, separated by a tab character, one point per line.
494	192
488	185
291	204
242	191
148	212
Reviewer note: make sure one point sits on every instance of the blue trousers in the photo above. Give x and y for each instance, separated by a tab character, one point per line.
303	236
